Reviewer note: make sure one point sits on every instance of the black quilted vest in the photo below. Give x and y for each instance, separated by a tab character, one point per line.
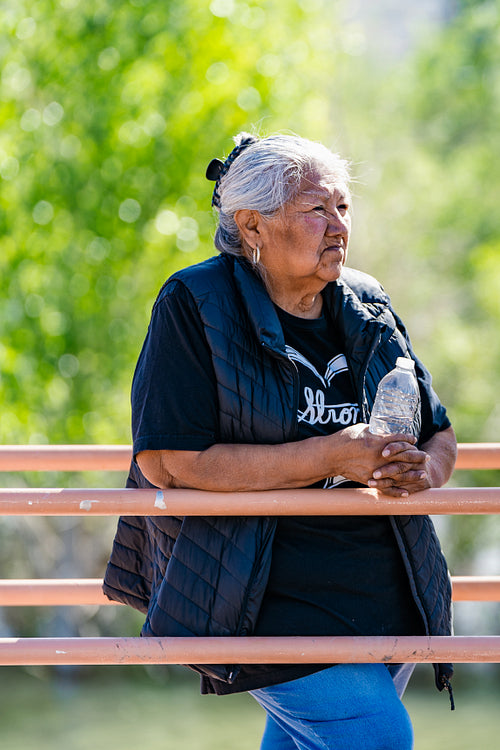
207	576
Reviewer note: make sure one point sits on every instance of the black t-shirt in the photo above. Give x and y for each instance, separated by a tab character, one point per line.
329	575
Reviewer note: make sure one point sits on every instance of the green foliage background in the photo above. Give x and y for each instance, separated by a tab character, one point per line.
110	112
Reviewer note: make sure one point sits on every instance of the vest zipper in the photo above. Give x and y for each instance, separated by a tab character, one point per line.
377	340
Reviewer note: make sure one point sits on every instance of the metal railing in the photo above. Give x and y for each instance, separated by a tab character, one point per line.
85	502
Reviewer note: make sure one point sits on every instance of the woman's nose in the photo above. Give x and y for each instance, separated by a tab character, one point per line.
337	224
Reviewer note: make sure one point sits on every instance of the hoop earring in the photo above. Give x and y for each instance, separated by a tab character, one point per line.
256	255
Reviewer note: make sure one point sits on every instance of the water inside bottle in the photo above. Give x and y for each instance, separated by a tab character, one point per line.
393	413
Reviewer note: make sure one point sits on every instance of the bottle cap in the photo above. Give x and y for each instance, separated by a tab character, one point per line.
405	363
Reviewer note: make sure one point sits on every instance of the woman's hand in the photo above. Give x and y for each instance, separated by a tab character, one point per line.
410	470
380	461
405	471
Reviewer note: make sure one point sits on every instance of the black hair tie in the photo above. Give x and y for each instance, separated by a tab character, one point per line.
217	168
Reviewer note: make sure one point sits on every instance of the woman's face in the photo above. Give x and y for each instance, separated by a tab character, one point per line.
305	245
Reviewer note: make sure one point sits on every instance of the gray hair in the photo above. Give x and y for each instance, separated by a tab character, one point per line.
264	177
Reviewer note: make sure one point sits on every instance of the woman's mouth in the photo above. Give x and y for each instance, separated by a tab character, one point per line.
335	248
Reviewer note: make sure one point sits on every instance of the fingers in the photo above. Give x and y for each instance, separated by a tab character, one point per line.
395	492
405	444
402	487
381	461
410	489
405	475
413	467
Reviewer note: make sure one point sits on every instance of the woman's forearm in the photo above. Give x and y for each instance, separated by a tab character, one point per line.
442	450
353	453
234	467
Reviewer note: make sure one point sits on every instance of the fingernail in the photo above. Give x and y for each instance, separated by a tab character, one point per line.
404	493
377	474
372	483
423	475
386	452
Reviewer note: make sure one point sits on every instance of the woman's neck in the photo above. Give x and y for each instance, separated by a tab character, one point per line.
305	306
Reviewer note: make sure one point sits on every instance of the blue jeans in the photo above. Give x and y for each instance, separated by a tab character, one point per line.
344	707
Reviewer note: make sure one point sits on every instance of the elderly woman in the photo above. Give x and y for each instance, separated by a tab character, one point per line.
259	371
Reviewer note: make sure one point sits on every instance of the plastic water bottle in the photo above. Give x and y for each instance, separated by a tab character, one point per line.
397	401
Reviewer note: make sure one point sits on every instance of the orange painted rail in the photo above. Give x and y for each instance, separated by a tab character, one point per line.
117	457
88	591
109	502
478	456
476	588
249	650
47	592
65	457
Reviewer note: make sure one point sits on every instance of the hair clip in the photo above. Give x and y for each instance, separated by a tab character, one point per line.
214	170
217	168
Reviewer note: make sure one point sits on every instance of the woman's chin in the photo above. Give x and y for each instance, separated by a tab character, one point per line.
332	271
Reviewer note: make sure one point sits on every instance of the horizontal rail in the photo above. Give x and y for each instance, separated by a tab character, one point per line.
250	650
48	592
476	588
300	502
478	456
65	457
117	457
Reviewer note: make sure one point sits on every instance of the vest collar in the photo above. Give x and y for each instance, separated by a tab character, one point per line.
259	307
358	321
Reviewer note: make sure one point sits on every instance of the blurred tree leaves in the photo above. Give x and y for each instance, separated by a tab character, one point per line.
427	222
110	112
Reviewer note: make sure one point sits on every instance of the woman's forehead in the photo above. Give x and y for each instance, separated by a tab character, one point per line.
325	188
322	182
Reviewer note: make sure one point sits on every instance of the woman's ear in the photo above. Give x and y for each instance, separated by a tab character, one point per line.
248	222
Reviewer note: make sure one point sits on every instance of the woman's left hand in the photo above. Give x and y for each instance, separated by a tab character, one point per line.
410	470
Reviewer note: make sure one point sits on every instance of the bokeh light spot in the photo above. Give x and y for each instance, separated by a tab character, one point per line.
129	210
269	65
31	120
167	222
9	168
69	365
53	113
43	213
249	99
222	8
217	73
26	28
108	58
16	77
70	146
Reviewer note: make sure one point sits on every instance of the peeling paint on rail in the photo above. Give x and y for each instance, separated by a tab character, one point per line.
86	505
159	501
